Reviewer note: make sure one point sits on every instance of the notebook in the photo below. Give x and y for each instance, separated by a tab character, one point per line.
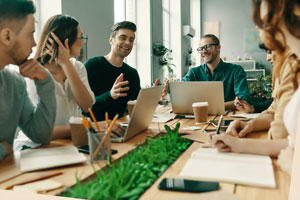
37	159
246	169
184	94
142	113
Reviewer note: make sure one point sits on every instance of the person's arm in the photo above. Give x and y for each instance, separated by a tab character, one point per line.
190	76
136	87
228	143
259	107
243	105
241	89
5	149
80	92
37	122
61	132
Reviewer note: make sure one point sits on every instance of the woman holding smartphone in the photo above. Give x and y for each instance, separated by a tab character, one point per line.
60	42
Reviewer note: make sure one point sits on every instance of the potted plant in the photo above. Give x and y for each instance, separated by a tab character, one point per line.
165	60
261	89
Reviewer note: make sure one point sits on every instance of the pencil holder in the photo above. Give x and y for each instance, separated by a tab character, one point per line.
97	152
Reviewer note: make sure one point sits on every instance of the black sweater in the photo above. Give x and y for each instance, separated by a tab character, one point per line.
102	75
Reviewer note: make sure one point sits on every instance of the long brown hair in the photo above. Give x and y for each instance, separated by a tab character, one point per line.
278	10
64	27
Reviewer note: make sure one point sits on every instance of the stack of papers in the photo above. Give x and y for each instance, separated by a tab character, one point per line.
247	169
247	115
36	159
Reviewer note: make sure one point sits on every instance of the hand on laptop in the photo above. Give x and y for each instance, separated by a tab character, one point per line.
117	130
117	89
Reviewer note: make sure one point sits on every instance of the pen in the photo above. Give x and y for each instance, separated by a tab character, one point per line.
219	125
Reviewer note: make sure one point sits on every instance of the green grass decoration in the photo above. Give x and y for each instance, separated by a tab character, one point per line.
137	171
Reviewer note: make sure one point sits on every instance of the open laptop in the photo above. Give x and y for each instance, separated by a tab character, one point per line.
142	113
184	94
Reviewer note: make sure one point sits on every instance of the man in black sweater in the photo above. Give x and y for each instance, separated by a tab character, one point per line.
114	82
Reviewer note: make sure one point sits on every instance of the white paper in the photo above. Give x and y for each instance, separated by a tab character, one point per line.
162	117
247	169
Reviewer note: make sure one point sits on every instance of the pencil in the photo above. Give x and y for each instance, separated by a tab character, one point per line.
106	120
219	125
112	123
105	136
95	121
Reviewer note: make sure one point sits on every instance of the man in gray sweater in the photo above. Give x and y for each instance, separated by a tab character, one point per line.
16	42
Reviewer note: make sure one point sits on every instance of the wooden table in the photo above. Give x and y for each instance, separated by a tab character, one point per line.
10	168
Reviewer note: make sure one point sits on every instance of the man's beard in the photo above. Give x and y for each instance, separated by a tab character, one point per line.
15	55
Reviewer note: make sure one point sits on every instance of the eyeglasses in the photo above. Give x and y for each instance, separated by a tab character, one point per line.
206	47
84	38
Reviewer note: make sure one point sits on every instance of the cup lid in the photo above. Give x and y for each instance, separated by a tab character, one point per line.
200	104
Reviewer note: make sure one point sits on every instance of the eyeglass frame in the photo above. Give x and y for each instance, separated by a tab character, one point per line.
206	47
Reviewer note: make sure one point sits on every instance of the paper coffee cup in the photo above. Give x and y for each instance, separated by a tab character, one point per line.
78	132
130	106
200	112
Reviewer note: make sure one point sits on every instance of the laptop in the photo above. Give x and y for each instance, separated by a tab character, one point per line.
142	113
184	94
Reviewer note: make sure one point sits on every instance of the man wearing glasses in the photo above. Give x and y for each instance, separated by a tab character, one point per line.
214	69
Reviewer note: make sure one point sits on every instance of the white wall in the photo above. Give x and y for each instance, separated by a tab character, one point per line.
96	17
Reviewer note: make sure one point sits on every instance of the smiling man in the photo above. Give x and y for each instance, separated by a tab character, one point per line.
16	109
114	82
233	76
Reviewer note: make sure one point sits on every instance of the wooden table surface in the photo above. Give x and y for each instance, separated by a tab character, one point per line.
10	173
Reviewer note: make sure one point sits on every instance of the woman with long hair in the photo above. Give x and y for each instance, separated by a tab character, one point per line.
279	25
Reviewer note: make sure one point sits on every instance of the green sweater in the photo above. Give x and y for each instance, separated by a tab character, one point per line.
233	78
101	76
17	110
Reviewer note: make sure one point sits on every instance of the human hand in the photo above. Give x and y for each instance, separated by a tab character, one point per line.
164	91
117	90
117	130
243	105
63	56
239	128
285	159
33	70
226	143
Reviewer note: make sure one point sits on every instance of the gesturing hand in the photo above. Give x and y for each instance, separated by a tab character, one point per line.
164	92
117	90
63	50
33	70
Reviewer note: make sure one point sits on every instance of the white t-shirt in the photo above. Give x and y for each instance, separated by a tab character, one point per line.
290	116
66	105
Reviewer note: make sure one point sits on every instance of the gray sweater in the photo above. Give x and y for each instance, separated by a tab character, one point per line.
17	110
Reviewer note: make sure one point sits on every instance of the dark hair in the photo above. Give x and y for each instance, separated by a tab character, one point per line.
214	38
64	27
262	46
122	25
13	13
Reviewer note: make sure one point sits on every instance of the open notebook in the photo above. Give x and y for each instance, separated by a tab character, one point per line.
36	159
246	169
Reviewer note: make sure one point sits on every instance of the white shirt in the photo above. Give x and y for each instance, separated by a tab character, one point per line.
66	105
290	116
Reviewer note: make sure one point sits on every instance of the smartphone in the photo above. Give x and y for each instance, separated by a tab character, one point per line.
225	123
187	185
85	149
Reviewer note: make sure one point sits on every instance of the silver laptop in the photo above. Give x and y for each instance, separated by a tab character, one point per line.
184	94
142	113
